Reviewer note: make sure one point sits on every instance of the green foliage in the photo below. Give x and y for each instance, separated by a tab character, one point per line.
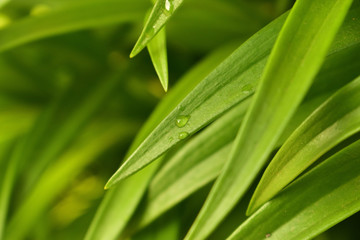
265	85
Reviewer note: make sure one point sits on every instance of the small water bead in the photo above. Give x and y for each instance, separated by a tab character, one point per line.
182	120
248	88
183	135
167	5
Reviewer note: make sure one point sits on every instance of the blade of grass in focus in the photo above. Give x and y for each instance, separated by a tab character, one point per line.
326	195
160	14
210	98
158	54
294	61
320	132
108	223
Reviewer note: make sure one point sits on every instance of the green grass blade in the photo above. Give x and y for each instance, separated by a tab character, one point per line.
158	54
160	14
209	94
186	164
118	206
71	17
189	170
52	182
323	130
318	200
108	222
295	60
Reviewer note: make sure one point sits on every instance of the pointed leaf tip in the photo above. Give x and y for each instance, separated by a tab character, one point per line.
158	54
134	51
160	14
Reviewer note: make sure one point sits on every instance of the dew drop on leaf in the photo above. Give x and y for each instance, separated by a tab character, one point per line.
168	8
182	120
248	88
183	135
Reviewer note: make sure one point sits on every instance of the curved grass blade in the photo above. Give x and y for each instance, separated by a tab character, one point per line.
71	17
295	60
172	183
188	170
326	195
93	142
211	98
119	204
115	210
192	113
160	14
158	55
323	130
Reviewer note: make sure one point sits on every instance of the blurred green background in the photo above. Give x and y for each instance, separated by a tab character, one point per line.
72	102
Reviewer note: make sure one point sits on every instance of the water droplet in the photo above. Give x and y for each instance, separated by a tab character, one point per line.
183	135
248	88
167	5
182	120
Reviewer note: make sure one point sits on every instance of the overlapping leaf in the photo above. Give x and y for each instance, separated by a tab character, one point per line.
161	12
324	129
115	210
295	60
211	98
189	170
318	200
207	101
205	163
158	54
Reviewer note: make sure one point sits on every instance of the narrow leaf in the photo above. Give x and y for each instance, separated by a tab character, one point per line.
158	54
118	206
324	129
312	204
71	17
116	210
189	170
193	112
160	14
212	98
294	61
200	161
